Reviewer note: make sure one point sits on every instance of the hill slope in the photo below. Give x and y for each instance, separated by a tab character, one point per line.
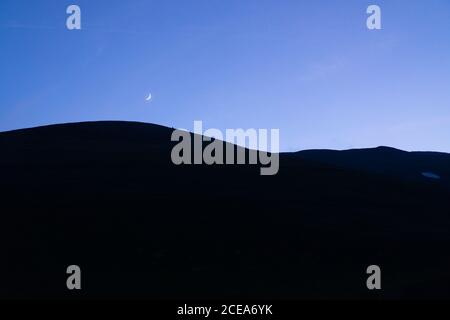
387	161
105	196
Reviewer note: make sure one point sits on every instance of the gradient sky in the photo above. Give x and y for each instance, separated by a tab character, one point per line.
310	68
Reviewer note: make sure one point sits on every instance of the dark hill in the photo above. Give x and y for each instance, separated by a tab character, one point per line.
386	161
105	196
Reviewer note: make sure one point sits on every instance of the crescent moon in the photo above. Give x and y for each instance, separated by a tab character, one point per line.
149	97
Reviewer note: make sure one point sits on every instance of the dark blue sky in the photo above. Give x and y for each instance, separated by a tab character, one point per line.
310	68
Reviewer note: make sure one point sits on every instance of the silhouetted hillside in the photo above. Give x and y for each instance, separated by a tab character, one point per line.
387	161
106	196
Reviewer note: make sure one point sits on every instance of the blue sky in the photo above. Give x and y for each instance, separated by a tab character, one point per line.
310	68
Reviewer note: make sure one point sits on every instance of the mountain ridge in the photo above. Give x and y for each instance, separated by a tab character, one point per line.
130	124
109	199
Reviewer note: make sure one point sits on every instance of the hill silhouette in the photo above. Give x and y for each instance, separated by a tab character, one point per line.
106	196
386	161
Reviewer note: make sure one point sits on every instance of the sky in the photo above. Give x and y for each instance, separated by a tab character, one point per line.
311	69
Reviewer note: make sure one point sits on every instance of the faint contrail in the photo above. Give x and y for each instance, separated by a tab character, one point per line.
26	26
62	27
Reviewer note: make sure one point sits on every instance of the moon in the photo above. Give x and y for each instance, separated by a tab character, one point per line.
149	97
